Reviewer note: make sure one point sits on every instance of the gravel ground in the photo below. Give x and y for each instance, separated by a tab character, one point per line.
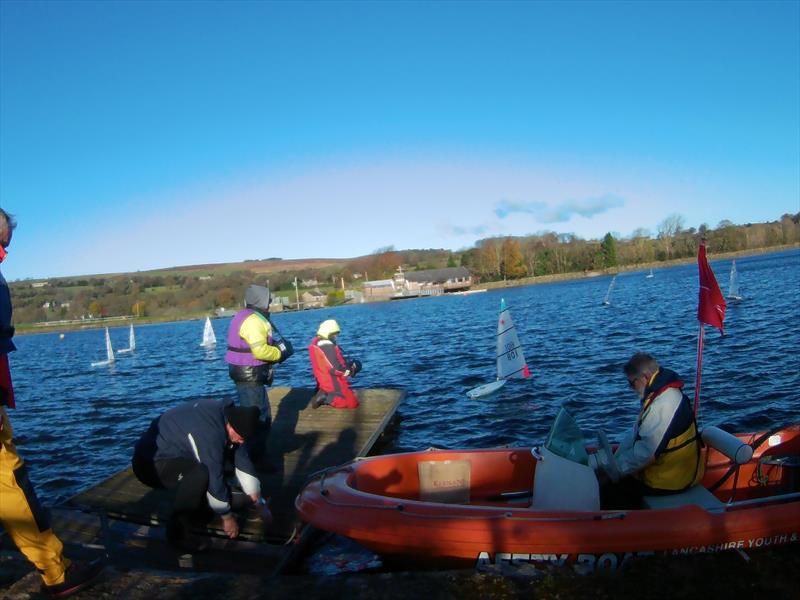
773	574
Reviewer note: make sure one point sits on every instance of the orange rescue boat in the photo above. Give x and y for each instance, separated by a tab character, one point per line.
451	507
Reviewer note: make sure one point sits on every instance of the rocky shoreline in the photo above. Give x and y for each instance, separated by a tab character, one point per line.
771	573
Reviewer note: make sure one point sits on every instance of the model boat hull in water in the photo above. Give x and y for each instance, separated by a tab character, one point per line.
487	389
451	507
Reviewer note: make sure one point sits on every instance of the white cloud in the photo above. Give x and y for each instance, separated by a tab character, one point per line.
560	212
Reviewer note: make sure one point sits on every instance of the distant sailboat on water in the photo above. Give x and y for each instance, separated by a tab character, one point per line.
649	275
131	342
209	339
607	299
109	353
510	360
733	284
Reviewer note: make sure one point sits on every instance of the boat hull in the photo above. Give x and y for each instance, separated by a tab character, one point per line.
376	502
486	389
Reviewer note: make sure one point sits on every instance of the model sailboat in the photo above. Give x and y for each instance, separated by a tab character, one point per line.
209	339
649	275
733	284
510	360
131	342
109	352
607	299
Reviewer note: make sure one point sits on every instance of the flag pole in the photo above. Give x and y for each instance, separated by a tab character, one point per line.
700	337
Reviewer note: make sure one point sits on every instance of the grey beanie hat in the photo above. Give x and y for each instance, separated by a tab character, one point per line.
257	296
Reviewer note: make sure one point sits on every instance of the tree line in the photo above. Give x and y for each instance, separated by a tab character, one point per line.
551	253
197	291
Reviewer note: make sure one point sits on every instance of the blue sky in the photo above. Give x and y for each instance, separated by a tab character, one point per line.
139	135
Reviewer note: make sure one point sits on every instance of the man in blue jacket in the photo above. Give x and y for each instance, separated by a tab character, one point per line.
186	449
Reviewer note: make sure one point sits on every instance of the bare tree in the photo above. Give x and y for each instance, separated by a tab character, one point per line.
668	229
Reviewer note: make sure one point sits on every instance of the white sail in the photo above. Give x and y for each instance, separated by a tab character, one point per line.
733	284
131	342
510	359
649	275
607	299
109	352
109	349
209	339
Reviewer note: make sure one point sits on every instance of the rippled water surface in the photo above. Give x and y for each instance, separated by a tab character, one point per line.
76	424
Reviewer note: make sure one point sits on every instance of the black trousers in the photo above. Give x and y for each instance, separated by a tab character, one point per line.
188	478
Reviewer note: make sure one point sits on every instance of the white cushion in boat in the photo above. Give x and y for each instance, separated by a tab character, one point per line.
694	495
562	484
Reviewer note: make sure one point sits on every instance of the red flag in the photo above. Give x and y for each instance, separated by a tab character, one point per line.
711	305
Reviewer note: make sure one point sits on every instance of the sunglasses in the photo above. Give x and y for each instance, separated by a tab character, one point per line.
632	383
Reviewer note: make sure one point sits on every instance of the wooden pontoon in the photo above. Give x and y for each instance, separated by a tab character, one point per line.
302	441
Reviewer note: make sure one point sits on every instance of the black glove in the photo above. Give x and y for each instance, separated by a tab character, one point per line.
285	346
355	367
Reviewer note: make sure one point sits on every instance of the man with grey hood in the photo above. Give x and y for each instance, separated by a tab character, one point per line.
252	352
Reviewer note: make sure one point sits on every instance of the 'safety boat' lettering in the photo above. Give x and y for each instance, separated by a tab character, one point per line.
749	544
610	561
583	564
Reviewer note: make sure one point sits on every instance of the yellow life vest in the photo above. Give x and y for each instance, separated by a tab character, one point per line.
678	464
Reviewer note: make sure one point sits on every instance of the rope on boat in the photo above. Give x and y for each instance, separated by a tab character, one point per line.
401	508
323	473
734	467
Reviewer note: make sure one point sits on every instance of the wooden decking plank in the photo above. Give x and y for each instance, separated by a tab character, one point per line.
302	441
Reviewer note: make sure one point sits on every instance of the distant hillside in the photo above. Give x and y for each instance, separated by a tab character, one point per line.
270	265
196	290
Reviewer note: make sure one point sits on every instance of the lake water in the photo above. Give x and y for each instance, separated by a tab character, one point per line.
76	424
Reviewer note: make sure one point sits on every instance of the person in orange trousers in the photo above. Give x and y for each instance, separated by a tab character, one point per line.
21	515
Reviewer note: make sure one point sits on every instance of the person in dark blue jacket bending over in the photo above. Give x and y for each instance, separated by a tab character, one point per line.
185	449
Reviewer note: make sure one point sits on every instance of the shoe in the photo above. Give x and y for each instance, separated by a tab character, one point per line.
317	400
78	576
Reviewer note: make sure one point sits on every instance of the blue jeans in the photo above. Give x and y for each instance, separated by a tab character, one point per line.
255	394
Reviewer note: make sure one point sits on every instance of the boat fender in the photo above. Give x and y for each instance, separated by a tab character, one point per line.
731	446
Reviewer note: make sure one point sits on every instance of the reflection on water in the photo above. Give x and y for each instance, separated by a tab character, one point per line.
77	424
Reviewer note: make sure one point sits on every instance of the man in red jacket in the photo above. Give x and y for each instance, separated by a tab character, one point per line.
331	369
